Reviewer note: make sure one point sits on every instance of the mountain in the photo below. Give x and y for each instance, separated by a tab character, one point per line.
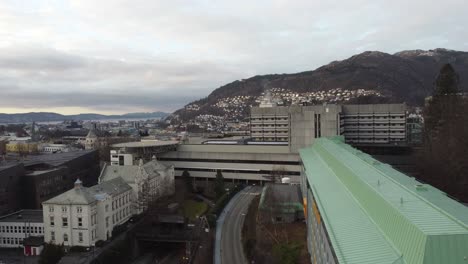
45	116
406	76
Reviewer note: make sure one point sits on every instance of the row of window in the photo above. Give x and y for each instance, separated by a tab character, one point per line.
120	201
79	220
65	236
373	117
118	216
12	241
374	132
263	172
22	229
275	125
273	162
372	124
79	209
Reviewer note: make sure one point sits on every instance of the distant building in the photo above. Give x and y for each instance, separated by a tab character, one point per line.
359	210
53	148
82	216
299	126
374	124
95	141
21	225
414	129
22	147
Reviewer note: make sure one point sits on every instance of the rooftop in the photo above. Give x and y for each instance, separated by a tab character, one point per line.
33	216
56	159
375	214
84	195
145	144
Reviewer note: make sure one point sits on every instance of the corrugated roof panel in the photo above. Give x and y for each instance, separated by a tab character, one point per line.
418	220
354	236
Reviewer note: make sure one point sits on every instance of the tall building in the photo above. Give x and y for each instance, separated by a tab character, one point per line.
298	126
82	216
374	124
359	210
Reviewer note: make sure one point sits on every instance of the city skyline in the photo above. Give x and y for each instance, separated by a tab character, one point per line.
112	57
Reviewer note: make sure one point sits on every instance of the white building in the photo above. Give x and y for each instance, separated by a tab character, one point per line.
149	181
121	159
15	227
53	148
82	216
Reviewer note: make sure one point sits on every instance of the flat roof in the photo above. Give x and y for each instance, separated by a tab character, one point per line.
375	214
22	216
56	159
145	144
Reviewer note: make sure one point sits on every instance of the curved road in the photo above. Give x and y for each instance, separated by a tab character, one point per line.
228	248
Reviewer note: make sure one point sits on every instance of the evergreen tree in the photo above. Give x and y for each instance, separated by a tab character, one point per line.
447	81
187	180
219	184
444	152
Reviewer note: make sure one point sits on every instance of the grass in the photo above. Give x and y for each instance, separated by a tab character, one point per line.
193	208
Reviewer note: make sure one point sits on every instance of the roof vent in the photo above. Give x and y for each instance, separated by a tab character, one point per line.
421	187
19	216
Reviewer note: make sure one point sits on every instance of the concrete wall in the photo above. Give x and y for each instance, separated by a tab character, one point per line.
203	164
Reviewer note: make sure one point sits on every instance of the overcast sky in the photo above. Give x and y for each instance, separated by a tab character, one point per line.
117	56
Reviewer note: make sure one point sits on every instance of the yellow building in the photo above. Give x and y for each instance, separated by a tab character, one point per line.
22	147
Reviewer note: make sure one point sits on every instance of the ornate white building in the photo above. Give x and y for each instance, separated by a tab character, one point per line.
82	216
149	181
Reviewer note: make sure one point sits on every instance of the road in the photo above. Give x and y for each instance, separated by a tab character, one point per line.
228	247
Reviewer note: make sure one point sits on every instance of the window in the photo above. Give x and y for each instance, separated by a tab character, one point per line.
51	208
65	238
64	209
107	208
80	221
52	235
64	221
107	221
79	209
80	237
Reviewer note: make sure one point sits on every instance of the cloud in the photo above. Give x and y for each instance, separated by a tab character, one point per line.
107	54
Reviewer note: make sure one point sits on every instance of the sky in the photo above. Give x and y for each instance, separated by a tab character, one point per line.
118	56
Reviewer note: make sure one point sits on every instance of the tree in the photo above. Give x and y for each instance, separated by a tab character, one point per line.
444	152
188	181
51	254
447	81
219	184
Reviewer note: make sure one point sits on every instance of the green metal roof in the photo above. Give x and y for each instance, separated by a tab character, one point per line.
384	213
